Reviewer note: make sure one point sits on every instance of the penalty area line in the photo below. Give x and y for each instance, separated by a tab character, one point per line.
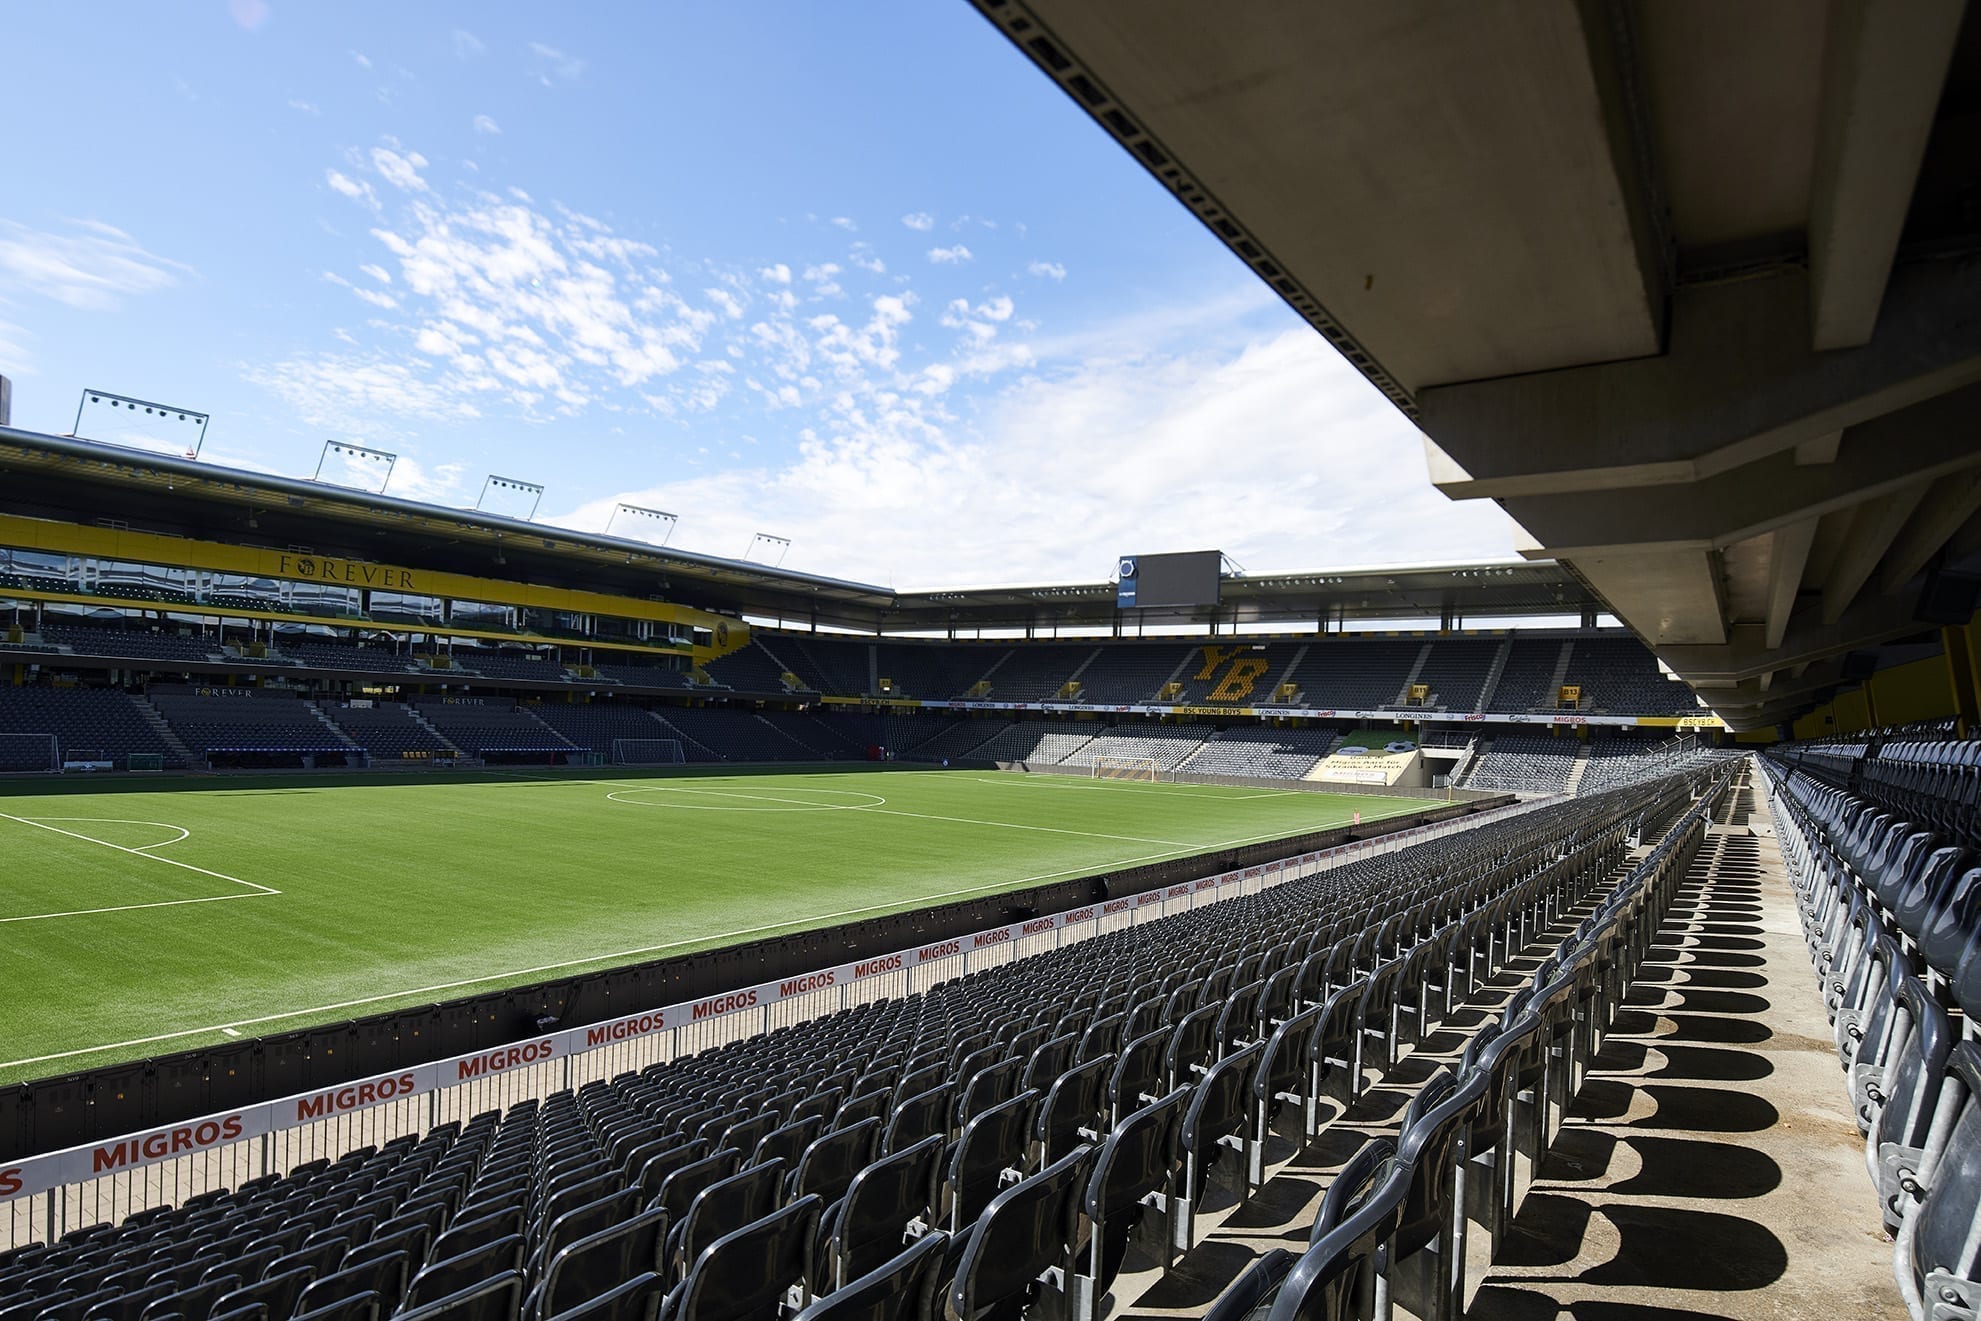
140	853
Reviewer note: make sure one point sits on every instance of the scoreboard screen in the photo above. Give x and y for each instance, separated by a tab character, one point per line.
1186	578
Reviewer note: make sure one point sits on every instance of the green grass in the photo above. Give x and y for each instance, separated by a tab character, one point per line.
125	937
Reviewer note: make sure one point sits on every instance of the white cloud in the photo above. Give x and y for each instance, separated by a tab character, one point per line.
402	172
357	190
1289	458
863	257
845	222
15	359
377	272
467	45
306	107
778	274
483	124
554	64
91	266
725	301
920	221
949	256
822	281
376	298
1050	270
327	390
360	59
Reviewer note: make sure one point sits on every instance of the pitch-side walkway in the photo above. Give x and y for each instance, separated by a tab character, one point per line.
1710	1166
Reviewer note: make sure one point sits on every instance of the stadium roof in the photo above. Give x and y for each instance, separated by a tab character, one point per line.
84	481
1687	287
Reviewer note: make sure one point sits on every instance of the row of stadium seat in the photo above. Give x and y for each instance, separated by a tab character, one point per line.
1889	893
1022	1129
1615	674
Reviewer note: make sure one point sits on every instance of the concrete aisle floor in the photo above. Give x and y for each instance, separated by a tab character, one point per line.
1711	1166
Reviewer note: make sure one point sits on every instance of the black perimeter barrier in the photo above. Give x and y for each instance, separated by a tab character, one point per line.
53	1114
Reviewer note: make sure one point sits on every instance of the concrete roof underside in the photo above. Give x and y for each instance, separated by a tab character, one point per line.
1690	288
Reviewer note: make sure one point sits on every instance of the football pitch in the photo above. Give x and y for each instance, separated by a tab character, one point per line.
139	921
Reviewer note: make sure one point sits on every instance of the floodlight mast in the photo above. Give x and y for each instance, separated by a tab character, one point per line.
365	452
534	489
767	541
641	511
152	406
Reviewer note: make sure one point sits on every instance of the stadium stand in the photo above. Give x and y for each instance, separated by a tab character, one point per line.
625	671
1237	674
480	727
1065	1118
344	656
133	642
1034	673
1045	741
509	664
105	720
966	738
726	734
829	665
596	725
1121	675
1528	681
1355	674
1281	754
1523	763
1618	761
1169	746
822	738
749	669
272	723
1619	674
932	671
1878	838
1456	672
387	730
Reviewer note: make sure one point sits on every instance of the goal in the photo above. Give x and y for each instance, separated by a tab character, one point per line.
29	752
647	752
1127	768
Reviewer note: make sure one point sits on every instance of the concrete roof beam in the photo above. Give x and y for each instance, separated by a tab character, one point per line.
1738	384
1873	528
1884	65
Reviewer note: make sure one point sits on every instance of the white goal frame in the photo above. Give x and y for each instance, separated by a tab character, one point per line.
641	752
18	744
1128	768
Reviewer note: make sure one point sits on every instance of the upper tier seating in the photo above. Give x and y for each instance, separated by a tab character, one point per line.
344	656
385	730
965	738
1244	674
629	669
830	665
935	672
1620	675
748	669
1522	763
1281	754
1035	673
493	725
1129	675
1029	1110
1527	682
135	642
499	663
1343	674
92	720
1456	672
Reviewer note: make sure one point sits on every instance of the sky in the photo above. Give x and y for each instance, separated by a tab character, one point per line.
858	276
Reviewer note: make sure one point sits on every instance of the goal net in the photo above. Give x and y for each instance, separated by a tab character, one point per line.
647	752
29	752
1127	768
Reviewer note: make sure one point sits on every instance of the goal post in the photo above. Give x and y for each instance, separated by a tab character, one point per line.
30	752
1127	768
647	752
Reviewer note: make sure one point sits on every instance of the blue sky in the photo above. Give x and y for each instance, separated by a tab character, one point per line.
856	275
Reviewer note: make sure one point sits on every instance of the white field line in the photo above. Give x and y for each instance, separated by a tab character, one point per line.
132	908
1046	781
805	803
876	808
713	939
139	853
